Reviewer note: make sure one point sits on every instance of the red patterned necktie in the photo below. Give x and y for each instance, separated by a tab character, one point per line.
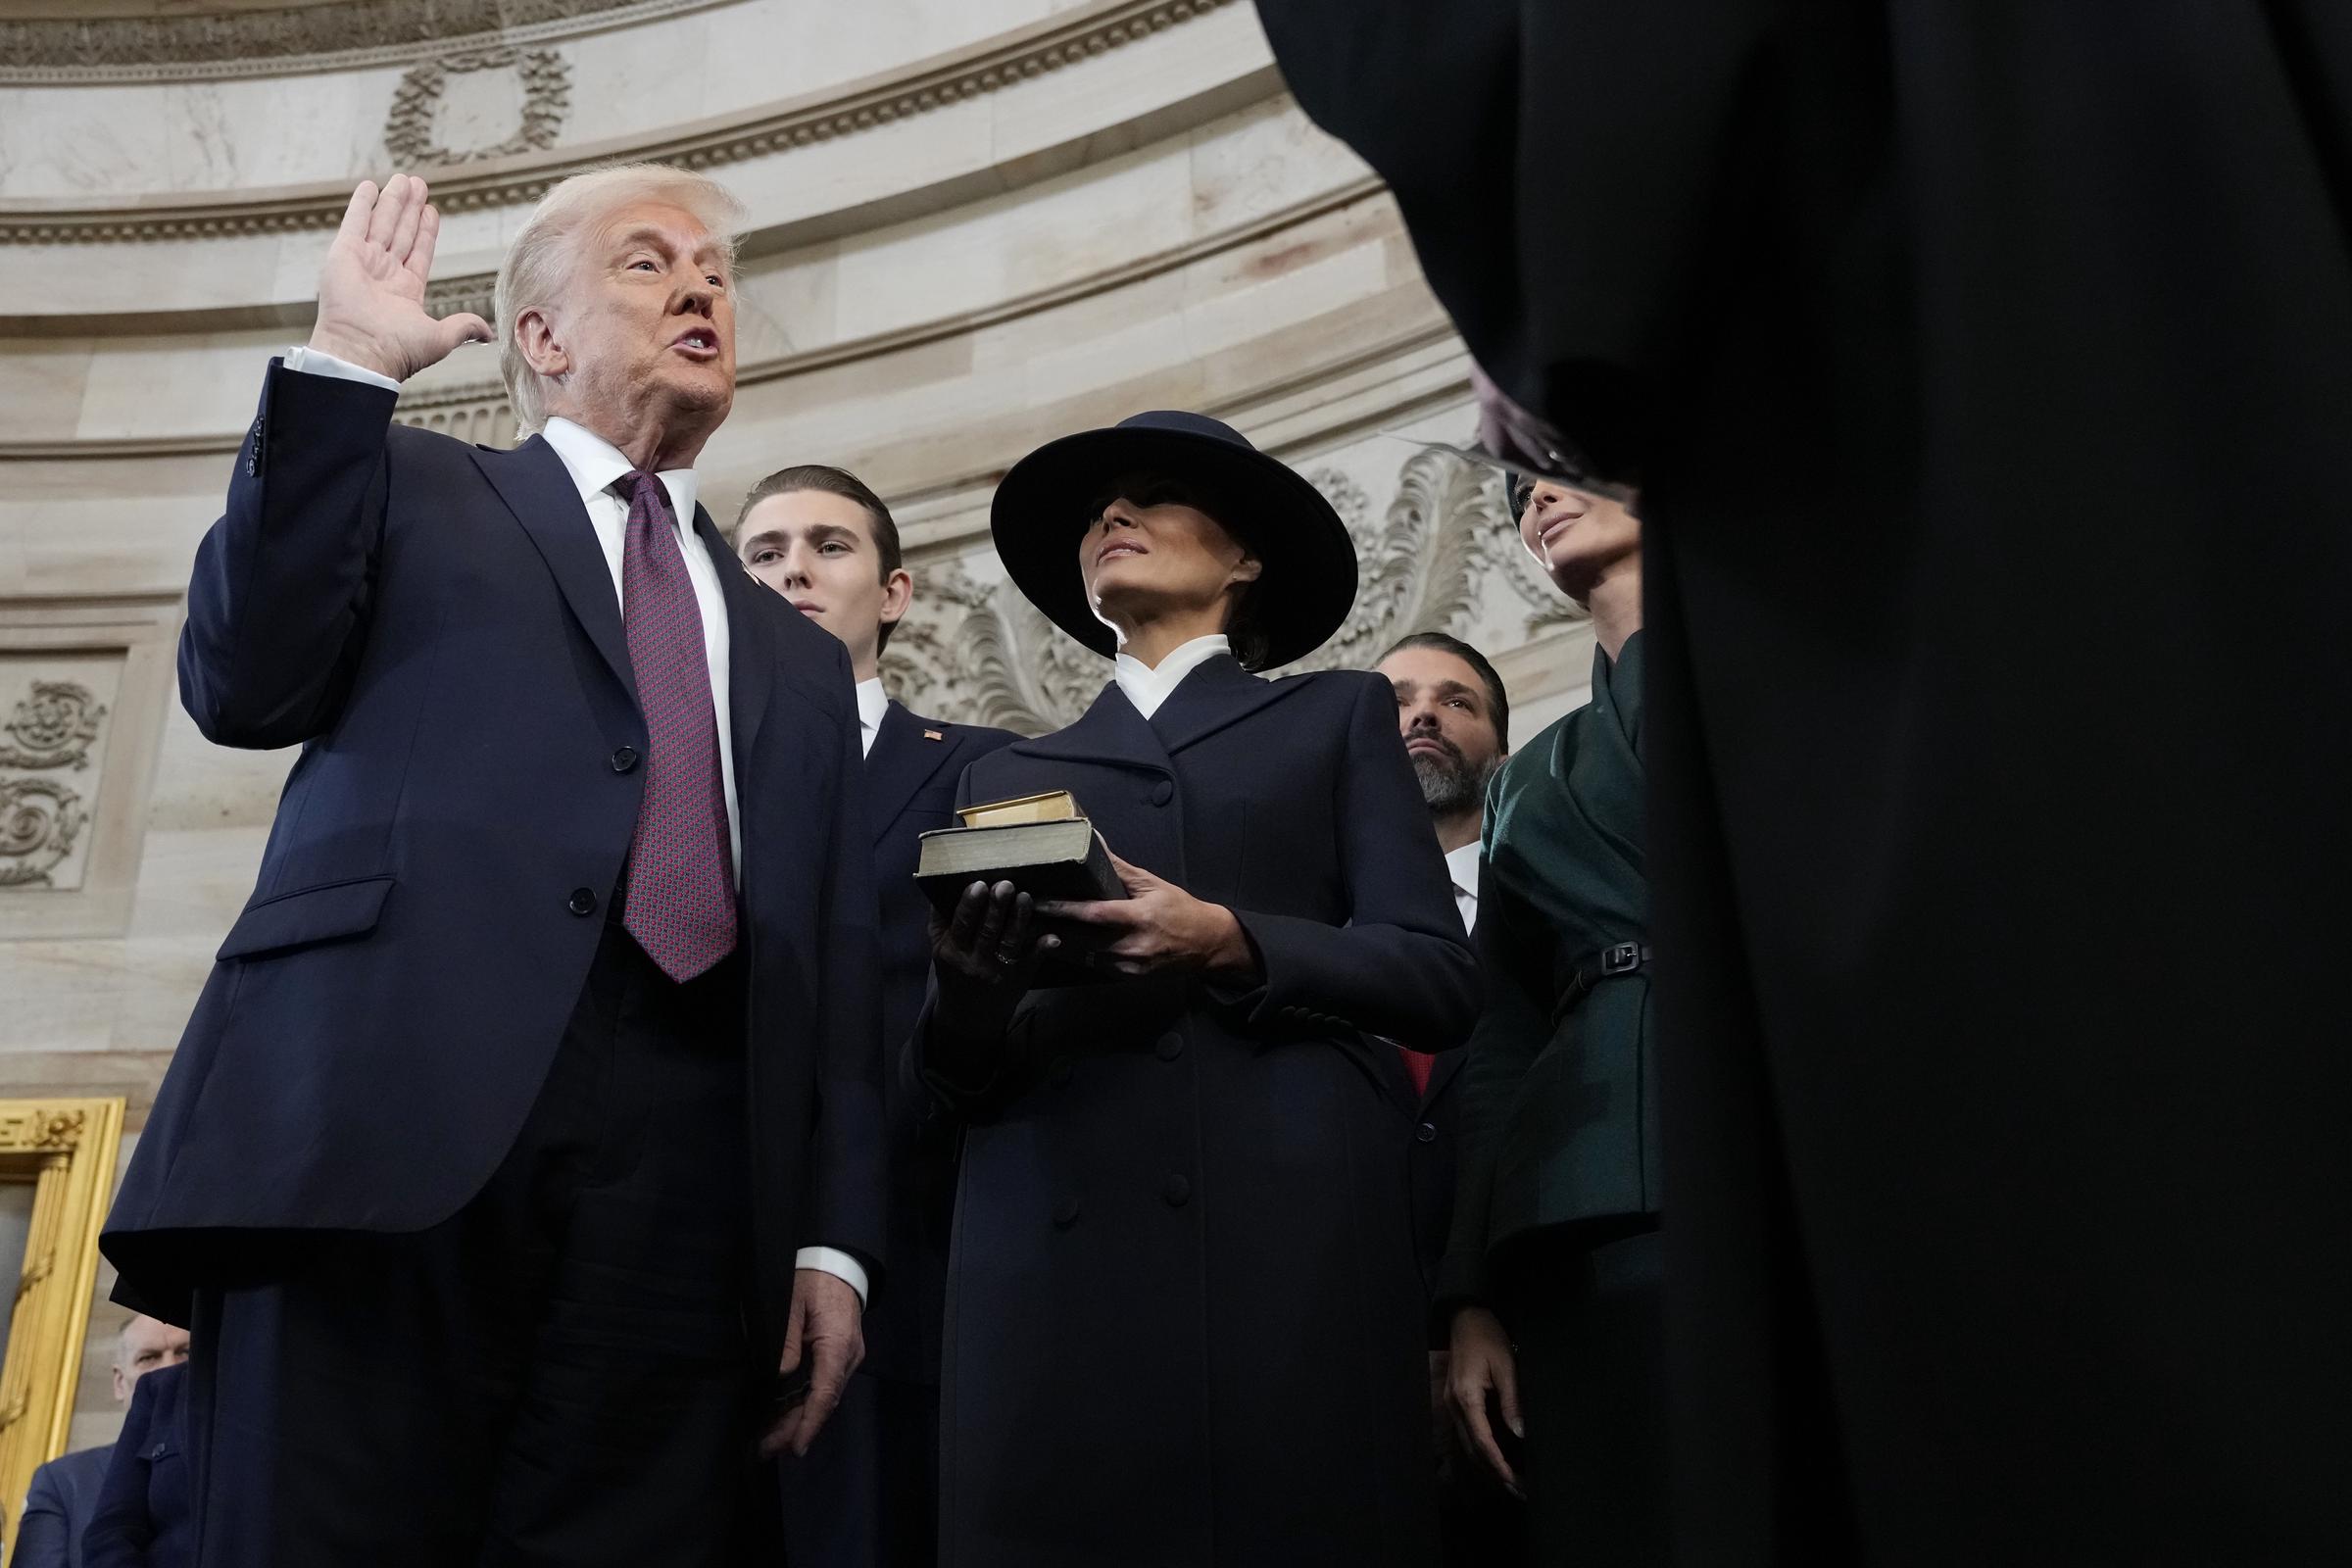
681	877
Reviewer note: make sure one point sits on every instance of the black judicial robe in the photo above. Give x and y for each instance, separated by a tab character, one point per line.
1185	1322
1989	369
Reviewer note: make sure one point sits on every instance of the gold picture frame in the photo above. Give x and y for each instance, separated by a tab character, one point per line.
65	1150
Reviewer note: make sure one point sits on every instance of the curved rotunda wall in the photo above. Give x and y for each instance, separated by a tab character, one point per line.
1145	224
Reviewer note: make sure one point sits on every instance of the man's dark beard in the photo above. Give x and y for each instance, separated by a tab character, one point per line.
1449	782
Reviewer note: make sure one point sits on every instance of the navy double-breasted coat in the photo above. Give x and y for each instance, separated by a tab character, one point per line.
1183	1317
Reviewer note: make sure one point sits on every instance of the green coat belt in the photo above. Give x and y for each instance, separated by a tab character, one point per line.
1559	1115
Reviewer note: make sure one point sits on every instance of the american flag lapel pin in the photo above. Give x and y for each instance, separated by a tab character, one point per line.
934	735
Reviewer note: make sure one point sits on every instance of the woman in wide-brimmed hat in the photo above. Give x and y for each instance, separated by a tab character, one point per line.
1185	1323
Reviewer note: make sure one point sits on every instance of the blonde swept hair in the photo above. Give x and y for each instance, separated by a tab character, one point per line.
539	263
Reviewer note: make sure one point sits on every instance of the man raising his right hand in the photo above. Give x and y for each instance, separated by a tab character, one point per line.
530	1118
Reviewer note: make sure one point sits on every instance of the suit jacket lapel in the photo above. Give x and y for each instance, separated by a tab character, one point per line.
1221	692
900	762
538	490
751	657
1446	1064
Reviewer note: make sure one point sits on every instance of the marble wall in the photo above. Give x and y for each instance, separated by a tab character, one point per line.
1147	222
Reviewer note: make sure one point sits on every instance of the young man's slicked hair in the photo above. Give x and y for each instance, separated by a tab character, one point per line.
828	480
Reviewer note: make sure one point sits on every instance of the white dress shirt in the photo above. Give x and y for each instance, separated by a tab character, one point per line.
872	703
1462	865
1147	685
594	464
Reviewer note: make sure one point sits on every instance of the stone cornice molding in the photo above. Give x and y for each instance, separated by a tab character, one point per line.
477	404
338	35
969	72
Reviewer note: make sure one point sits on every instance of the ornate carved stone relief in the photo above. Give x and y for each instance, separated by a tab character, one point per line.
52	730
82	688
411	132
1438	555
970	73
339	34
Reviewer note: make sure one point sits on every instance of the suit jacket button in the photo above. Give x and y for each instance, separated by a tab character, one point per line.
1176	1192
1066	1213
1426	1132
1170	1046
1058	1071
625	758
1163	793
582	902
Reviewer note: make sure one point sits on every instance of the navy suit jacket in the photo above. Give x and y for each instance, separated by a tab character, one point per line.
145	1514
56	1509
435	625
910	780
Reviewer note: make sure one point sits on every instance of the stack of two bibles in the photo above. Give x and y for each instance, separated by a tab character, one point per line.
1041	844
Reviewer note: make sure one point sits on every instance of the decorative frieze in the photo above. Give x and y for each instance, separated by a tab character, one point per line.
338	35
966	74
52	730
544	79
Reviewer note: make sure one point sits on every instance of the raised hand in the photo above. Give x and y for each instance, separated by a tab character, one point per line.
371	287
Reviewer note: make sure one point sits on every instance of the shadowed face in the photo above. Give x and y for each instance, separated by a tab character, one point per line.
1574	535
1150	547
817	550
146	1345
644	336
1446	717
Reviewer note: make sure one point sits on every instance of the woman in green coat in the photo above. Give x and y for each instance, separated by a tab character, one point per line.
1553	1270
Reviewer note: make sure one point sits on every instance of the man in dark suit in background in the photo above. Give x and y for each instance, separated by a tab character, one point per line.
1455	718
868	1497
531	1117
65	1491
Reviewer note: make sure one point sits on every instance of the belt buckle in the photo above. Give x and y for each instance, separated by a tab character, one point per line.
1623	959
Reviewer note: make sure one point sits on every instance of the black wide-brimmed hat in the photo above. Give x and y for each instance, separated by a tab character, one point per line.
1306	584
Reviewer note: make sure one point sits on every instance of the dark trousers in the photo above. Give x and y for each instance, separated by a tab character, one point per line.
867	1494
1586	1321
557	1375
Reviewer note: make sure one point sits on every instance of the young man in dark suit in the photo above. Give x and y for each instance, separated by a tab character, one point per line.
821	538
530	1122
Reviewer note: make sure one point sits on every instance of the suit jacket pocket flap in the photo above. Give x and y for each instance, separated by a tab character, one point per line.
310	914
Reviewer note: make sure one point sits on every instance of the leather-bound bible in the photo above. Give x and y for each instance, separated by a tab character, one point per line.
1041	843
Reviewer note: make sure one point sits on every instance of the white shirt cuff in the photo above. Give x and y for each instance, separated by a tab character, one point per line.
311	362
836	1262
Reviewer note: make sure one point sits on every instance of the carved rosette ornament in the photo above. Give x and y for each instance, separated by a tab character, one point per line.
39	821
54	728
980	654
546	79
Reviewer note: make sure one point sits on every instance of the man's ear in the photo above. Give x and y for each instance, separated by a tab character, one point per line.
897	596
542	351
1250	570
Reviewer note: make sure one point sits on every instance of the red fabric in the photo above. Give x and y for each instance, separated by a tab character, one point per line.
681	877
1417	1065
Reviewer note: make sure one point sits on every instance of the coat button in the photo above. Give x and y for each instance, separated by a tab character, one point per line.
1066	1213
582	902
1163	793
1176	1192
1058	1071
1426	1132
625	758
1170	1046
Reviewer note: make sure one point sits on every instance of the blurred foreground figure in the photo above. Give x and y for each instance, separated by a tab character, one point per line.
1987	371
